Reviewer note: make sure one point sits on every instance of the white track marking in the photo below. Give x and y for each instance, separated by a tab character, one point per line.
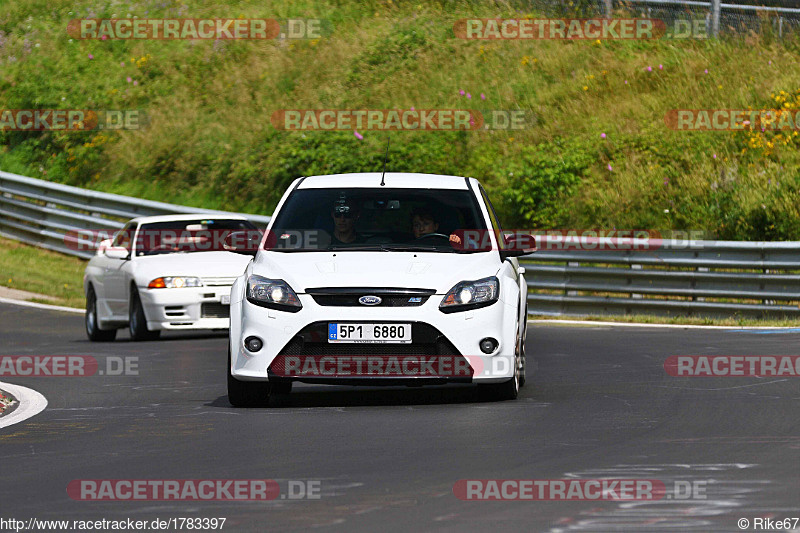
638	325
31	403
40	306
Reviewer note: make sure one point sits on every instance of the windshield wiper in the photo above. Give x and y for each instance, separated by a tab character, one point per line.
414	248
357	248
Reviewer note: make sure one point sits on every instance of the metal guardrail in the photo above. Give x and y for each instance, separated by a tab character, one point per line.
703	278
718	15
44	213
669	278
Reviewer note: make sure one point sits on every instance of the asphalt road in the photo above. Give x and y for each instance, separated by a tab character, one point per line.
600	405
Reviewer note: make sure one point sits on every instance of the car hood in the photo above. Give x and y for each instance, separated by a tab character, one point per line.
200	264
420	270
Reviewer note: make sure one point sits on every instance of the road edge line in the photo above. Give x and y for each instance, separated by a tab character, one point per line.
644	325
30	404
37	305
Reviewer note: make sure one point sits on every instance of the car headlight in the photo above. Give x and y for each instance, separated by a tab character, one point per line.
470	295
174	282
272	293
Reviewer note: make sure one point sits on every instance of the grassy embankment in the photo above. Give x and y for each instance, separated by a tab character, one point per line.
210	142
599	154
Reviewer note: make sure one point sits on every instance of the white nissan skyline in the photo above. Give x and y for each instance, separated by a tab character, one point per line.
159	273
371	279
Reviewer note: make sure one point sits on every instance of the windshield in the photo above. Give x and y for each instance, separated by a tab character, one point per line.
376	219
185	236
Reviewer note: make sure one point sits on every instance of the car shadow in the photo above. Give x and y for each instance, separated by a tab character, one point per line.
166	336
343	396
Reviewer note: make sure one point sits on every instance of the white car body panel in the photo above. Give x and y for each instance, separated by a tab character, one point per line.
504	320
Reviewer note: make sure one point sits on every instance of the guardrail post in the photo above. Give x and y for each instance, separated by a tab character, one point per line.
607	8
566	280
716	8
780	26
694	285
636	295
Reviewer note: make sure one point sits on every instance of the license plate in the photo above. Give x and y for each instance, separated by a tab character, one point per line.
370	333
225	299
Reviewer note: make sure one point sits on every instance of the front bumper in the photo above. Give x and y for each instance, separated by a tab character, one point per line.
433	334
186	308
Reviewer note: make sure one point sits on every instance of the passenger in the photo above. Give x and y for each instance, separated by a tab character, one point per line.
345	213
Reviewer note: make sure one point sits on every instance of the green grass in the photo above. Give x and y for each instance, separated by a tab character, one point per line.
209	141
44	272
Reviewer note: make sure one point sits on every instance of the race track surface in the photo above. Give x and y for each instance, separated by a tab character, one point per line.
600	405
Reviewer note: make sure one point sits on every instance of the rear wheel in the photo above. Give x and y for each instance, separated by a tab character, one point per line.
137	322
93	331
246	393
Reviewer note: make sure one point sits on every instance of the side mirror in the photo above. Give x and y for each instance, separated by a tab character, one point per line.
243	242
105	243
518	244
116	252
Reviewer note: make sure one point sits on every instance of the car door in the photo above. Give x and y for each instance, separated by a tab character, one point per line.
115	280
511	267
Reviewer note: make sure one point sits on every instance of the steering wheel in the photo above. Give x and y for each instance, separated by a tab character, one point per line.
437	235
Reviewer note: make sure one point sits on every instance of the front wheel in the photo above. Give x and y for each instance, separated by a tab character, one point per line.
507	390
93	331
246	393
137	323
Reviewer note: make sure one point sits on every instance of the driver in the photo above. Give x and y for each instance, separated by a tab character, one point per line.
423	223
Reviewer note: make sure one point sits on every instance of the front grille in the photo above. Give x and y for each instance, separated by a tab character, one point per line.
313	340
215	310
218	281
348	296
311	347
333	300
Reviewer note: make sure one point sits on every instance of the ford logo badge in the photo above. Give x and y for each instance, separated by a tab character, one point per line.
370	300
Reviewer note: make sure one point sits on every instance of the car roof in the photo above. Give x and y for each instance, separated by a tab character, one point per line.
190	216
395	180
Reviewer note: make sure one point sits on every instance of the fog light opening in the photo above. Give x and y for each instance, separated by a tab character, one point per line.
253	344
488	345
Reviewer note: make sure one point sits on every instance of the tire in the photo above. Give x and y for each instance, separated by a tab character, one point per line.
522	360
507	390
137	323
246	393
281	387
93	331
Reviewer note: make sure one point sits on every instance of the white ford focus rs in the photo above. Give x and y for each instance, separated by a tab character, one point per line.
159	273
371	279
